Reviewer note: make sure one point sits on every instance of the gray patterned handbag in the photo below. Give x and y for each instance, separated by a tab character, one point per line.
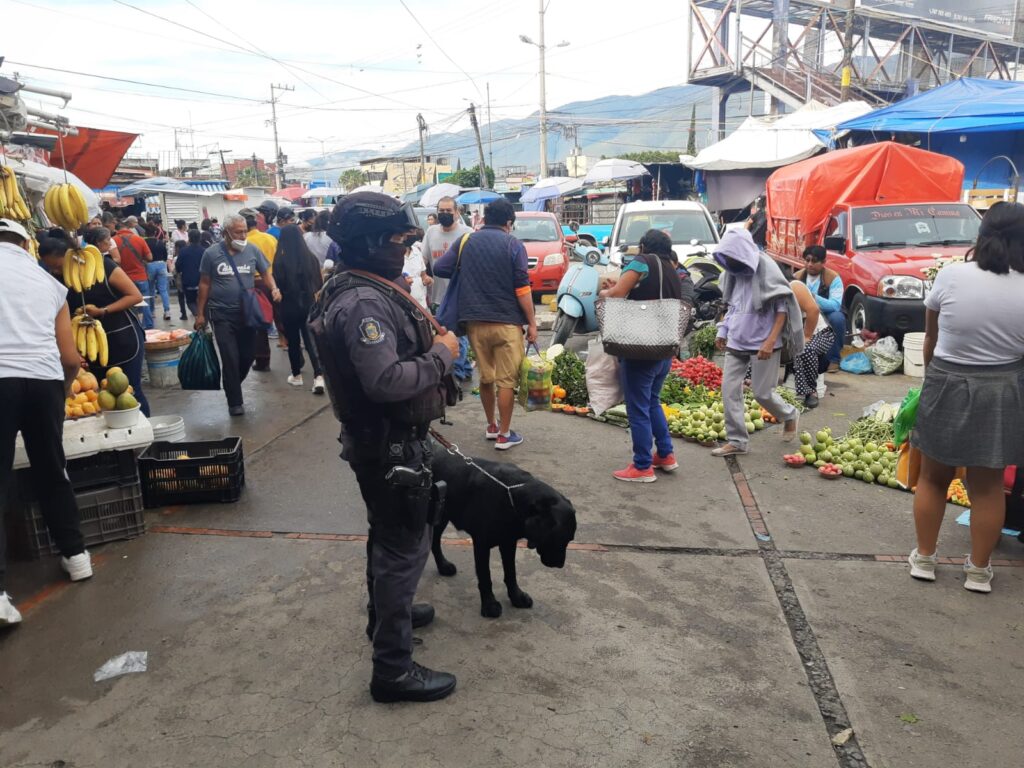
643	330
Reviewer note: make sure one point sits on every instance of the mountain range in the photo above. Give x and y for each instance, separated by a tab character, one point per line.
608	126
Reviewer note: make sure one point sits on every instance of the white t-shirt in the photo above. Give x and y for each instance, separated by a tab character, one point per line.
318	243
981	317
29	302
413	268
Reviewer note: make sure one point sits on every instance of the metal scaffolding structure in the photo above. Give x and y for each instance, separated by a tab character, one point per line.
796	51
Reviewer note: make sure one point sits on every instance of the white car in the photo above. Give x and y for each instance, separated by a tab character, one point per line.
689	224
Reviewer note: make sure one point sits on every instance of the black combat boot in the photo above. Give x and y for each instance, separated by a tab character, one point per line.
422	614
418	684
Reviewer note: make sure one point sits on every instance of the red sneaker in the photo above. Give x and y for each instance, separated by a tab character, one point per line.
633	475
492	432
668	464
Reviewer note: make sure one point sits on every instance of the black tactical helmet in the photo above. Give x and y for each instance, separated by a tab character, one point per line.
269	210
369	215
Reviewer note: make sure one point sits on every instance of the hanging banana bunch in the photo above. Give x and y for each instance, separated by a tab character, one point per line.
65	206
83	268
12	204
90	338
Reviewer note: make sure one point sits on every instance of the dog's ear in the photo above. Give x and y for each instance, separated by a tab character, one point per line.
539	523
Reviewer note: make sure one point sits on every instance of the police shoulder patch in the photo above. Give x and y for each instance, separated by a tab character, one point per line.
370	331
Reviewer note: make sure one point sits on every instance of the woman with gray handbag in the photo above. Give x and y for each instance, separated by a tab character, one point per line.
643	318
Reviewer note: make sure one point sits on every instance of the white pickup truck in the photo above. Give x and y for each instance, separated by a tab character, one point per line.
689	224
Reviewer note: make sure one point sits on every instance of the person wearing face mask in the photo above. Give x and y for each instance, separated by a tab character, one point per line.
227	269
387	373
436	242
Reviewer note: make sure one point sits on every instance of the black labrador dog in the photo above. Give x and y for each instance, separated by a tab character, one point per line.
481	507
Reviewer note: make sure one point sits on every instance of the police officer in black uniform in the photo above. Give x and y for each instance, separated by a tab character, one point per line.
388	376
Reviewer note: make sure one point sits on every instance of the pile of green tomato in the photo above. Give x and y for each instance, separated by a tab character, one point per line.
706	423
869	462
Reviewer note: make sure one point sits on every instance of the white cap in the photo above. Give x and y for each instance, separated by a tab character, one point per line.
7	225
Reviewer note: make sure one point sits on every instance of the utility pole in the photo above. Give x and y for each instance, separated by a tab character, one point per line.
255	171
479	147
490	136
223	165
278	170
847	70
422	125
543	101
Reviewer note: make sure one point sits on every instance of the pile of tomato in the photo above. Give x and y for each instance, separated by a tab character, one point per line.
699	371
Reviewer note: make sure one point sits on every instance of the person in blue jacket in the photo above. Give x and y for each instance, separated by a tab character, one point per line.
826	286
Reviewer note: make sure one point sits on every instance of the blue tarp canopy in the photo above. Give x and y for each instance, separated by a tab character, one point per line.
968	105
971	119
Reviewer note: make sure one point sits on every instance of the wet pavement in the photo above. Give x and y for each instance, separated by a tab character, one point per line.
736	614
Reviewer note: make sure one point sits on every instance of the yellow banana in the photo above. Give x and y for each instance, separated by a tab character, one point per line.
75	322
88	269
67	267
80	340
64	203
50	205
92	346
101	344
98	269
78	206
76	274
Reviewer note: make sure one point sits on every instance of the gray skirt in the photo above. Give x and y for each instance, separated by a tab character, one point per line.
971	415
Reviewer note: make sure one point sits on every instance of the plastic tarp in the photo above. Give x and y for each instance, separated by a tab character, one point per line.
875	173
968	105
93	155
760	143
39	178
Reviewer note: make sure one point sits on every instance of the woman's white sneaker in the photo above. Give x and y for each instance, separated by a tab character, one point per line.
318	385
922	566
77	567
977	579
8	613
295	381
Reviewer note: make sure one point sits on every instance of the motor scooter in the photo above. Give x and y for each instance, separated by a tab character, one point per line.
705	272
577	293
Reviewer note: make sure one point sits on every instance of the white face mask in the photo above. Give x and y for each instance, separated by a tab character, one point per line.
238	245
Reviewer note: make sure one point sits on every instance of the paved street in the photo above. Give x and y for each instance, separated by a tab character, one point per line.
736	614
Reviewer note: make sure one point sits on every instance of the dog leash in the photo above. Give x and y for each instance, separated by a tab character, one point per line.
453	450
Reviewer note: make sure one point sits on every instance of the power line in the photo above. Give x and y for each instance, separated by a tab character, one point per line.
442	50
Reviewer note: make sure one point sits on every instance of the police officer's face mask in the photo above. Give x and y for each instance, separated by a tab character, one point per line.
389	258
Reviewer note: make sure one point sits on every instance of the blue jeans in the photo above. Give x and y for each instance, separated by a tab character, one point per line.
157	271
462	368
147	313
642	380
837	320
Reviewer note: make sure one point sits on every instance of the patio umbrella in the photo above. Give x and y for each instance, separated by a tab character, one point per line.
553	186
368	188
436	192
291	193
614	169
477	196
414	195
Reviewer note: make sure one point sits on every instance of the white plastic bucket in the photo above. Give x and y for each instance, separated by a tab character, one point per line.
163	367
913	354
169	429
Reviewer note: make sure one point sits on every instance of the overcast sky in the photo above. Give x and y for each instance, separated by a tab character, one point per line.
361	69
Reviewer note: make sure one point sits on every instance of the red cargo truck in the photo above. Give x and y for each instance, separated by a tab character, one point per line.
884	213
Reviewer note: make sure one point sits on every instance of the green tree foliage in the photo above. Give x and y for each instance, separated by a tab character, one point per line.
252	177
470	177
691	145
652	156
352	178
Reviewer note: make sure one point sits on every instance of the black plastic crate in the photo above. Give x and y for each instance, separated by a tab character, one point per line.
107	514
188	473
105	468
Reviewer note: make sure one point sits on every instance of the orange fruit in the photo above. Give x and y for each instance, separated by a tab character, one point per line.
89	408
92	395
81	398
76	386
77	411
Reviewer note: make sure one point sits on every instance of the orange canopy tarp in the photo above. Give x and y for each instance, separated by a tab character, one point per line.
93	155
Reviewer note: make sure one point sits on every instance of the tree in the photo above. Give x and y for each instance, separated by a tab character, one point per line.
470	177
652	156
253	177
691	145
352	178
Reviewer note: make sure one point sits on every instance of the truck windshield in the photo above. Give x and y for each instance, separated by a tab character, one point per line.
535	230
681	226
898	226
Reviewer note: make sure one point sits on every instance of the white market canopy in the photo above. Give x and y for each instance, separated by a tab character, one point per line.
761	143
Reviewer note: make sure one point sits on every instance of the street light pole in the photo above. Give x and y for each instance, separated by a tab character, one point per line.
543	101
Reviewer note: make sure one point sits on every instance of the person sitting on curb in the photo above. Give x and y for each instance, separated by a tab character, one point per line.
763	316
827	288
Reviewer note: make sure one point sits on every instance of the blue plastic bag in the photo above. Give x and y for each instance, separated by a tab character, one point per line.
858	362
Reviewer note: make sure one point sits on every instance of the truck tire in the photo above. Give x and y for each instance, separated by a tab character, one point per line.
564	328
857	319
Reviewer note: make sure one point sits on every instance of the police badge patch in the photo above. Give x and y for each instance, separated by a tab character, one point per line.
371	331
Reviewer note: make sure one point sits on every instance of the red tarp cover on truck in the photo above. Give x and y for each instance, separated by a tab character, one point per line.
875	173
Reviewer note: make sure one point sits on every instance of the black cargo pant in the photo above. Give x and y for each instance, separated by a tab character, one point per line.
236	344
396	553
36	409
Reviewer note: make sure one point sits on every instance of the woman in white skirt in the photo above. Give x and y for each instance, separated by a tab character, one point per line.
971	412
